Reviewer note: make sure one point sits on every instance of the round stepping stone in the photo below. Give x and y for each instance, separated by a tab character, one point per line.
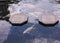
48	19
18	19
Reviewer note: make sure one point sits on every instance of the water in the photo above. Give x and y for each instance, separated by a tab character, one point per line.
37	33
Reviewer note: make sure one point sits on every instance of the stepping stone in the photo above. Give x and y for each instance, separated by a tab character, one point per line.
48	19
18	19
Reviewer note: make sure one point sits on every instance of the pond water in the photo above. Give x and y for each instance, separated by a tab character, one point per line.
38	33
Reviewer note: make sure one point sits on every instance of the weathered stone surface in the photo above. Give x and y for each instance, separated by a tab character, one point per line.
18	19
48	19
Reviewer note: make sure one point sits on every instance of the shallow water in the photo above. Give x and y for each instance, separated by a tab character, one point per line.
38	34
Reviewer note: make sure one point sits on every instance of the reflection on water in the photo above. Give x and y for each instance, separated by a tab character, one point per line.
40	34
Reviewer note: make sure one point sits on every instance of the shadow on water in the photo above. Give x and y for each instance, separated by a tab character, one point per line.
48	24
16	34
